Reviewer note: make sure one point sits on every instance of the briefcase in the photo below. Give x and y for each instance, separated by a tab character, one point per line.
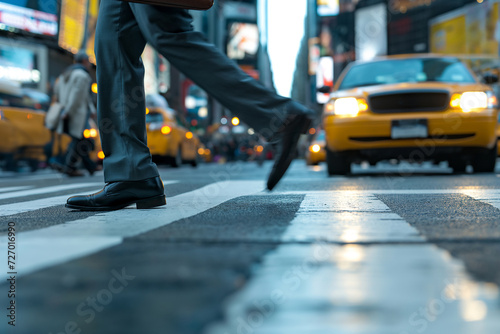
186	4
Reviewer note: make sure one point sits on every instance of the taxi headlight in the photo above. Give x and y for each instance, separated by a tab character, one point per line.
346	106
165	129
473	101
315	148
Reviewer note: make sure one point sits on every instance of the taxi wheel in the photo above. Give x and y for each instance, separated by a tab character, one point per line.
11	164
458	165
34	164
338	163
193	163
485	162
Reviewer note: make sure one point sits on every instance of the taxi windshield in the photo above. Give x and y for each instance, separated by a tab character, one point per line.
413	70
152	117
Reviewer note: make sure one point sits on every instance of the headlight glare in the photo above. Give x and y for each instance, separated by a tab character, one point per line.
492	100
473	100
315	148
347	106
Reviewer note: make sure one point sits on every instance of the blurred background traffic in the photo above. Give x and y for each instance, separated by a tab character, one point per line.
300	48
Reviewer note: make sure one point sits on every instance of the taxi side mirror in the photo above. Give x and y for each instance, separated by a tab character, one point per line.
324	89
490	78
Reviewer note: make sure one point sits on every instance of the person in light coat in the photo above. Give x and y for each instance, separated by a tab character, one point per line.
73	91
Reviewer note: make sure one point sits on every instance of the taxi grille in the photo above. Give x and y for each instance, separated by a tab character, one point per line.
402	102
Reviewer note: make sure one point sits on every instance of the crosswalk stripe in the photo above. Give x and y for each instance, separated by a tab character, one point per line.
485	192
17	208
47	190
320	287
491	197
78	238
8	189
348	218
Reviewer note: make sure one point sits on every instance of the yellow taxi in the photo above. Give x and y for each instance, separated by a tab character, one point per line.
316	152
168	140
411	107
23	134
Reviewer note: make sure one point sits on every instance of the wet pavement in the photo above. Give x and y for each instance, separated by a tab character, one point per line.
377	252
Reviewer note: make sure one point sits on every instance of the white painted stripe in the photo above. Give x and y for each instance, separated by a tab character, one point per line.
491	197
7	189
17	208
47	190
38	253
392	191
109	228
350	218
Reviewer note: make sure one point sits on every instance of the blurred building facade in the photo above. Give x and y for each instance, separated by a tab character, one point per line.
363	29
39	37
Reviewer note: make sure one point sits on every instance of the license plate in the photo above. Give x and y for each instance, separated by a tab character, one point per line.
409	128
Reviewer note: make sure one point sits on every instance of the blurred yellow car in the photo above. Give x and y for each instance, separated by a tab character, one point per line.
411	107
23	134
316	152
168	140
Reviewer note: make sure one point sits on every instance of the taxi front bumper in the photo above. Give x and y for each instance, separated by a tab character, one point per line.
444	130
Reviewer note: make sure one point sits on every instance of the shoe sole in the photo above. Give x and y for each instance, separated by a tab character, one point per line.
286	163
147	203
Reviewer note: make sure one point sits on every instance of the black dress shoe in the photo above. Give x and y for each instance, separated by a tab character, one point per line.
293	126
145	194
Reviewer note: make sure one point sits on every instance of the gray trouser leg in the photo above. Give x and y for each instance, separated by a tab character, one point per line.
170	32
121	106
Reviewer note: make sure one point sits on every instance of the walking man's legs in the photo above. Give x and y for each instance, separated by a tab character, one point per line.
170	31
130	174
122	32
120	102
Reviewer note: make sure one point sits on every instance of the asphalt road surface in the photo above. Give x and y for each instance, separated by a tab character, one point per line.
391	249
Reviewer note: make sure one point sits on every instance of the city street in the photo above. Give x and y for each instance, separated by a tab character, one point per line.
387	250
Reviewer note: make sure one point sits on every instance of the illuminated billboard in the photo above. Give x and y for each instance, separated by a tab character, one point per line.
243	42
37	17
93	11
470	30
328	7
73	16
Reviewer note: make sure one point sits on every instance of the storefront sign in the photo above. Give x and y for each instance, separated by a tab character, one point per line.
470	30
73	16
371	32
27	19
18	64
93	11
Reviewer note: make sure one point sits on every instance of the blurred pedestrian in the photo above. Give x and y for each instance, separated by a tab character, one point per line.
73	90
53	150
123	29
